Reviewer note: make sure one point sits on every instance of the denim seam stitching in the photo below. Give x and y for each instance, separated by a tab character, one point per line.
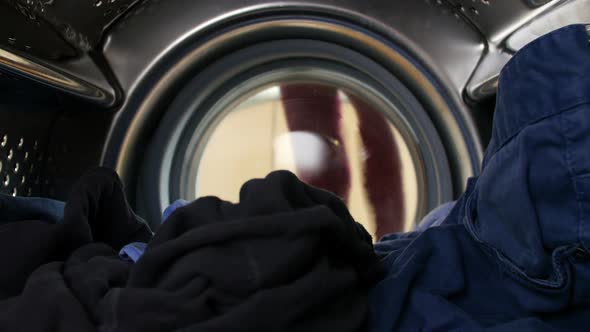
558	112
571	173
494	253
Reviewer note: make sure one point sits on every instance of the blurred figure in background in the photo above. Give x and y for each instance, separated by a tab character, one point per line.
316	109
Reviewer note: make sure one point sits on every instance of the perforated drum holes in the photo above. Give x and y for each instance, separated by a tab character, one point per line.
19	164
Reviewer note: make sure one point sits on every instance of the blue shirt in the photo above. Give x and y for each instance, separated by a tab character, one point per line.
512	255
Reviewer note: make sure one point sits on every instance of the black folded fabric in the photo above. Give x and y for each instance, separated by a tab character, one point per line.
288	257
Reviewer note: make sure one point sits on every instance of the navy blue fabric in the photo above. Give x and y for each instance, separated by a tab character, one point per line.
436	216
170	209
132	252
30	208
513	253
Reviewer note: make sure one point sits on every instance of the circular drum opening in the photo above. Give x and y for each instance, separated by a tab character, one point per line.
331	115
338	136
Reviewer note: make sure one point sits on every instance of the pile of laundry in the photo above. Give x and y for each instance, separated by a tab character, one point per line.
287	258
511	254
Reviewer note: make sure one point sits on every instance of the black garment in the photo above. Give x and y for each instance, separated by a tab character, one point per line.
287	258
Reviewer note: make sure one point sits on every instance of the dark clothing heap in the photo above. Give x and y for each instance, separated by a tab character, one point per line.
513	254
288	257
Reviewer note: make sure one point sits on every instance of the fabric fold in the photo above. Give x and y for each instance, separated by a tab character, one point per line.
512	254
288	257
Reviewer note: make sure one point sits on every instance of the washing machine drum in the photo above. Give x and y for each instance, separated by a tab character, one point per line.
332	115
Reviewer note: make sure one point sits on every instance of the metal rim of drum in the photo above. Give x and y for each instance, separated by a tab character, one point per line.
404	111
452	124
288	72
